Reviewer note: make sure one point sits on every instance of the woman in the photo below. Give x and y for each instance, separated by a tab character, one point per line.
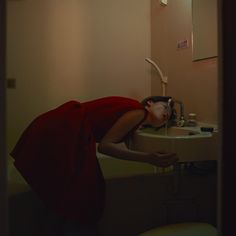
56	154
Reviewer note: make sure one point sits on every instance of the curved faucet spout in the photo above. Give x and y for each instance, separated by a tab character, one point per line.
163	78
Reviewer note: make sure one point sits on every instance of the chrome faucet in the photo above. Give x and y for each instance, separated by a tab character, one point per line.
181	120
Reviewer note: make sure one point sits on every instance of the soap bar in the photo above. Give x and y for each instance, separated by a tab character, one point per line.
207	129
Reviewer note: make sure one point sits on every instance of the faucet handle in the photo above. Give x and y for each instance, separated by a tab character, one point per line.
181	123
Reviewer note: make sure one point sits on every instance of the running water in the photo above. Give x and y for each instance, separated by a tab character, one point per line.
168	110
166	129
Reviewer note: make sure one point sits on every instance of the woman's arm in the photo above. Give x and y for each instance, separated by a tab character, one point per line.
110	144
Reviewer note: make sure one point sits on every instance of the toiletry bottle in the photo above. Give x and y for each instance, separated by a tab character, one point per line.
192	119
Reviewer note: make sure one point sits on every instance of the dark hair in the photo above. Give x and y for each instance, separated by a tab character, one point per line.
161	99
155	99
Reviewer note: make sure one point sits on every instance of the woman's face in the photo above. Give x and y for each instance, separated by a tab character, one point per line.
159	113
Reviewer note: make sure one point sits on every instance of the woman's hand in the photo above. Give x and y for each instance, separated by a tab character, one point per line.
162	159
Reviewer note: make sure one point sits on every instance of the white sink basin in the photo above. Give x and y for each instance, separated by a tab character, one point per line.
189	143
172	132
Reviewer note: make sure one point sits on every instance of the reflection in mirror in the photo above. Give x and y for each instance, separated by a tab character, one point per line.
204	24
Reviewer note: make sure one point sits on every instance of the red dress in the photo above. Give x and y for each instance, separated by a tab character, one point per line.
56	155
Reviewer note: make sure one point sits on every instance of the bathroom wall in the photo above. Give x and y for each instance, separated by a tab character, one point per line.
195	83
59	50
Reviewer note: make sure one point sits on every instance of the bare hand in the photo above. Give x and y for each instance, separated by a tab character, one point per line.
162	159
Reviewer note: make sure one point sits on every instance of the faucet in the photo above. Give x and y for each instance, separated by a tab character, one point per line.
180	122
163	78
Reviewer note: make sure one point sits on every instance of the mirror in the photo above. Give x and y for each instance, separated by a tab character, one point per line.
204	29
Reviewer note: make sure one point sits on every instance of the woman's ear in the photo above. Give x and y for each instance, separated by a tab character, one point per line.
149	103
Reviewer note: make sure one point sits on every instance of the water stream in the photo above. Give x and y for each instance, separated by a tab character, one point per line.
168	110
166	129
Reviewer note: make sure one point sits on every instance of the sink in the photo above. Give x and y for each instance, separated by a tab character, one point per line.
172	132
189	143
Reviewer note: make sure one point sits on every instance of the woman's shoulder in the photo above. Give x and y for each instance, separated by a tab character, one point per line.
117	98
114	101
121	100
